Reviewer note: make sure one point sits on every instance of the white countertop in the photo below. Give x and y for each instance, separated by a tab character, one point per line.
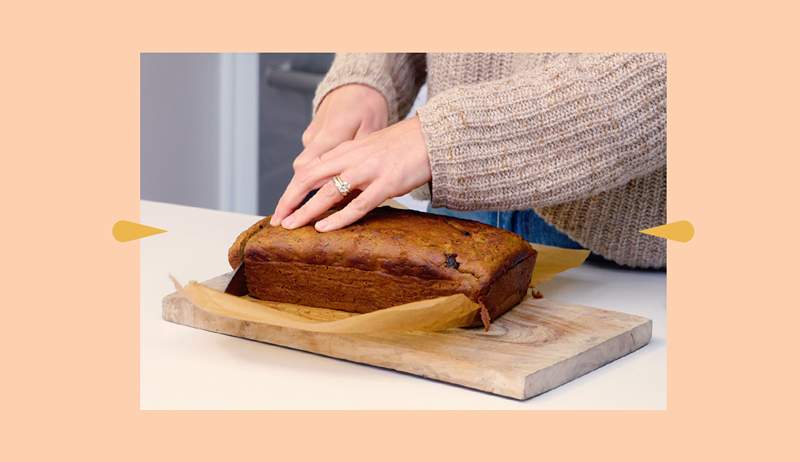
186	368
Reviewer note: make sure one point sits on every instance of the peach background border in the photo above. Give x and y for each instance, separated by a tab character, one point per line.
70	98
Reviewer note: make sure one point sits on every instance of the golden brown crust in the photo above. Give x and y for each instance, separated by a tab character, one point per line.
236	252
388	258
507	290
400	242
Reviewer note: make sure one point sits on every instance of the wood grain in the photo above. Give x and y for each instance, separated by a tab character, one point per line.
535	347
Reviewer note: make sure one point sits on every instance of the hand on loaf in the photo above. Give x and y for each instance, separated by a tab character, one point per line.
346	113
383	164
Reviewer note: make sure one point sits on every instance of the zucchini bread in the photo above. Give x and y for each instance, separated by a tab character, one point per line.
389	257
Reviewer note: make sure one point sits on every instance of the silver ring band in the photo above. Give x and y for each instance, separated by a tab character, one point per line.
342	186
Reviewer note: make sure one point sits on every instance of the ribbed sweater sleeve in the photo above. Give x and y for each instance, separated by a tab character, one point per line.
574	128
398	76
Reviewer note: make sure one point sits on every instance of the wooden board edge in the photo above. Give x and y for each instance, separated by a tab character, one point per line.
180	311
532	385
587	361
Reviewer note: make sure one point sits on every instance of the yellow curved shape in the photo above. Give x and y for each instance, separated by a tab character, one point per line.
124	231
681	231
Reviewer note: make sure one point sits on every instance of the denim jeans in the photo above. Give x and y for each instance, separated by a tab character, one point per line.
531	227
526	223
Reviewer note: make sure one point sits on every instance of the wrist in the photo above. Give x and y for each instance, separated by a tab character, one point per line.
422	162
375	87
361	96
372	99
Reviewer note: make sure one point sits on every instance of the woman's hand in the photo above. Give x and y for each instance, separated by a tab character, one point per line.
346	113
384	164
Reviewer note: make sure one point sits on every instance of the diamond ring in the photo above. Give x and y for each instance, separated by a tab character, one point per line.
341	185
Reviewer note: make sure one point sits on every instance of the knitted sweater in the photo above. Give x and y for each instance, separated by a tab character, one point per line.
580	138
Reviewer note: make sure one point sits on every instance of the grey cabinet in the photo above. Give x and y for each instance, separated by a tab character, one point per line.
287	82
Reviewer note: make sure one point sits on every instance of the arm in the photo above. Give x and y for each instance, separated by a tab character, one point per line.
397	76
582	125
360	94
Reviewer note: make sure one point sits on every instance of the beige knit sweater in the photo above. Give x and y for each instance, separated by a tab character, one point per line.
580	138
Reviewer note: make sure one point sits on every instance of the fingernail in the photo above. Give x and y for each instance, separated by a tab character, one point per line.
274	221
288	222
322	225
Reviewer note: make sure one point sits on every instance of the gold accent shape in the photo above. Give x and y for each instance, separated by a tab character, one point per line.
681	231
125	231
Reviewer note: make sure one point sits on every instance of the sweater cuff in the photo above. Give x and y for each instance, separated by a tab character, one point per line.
536	139
380	71
436	131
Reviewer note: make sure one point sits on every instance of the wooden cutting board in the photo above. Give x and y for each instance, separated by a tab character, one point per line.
533	348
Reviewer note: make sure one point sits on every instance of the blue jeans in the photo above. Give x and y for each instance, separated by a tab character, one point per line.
530	226
526	223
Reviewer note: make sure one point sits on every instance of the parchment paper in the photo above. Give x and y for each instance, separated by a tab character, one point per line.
425	315
553	260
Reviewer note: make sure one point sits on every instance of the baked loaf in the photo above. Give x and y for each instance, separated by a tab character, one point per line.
387	258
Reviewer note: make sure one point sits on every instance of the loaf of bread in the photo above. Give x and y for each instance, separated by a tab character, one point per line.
389	257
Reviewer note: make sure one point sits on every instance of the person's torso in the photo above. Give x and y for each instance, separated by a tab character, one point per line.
447	70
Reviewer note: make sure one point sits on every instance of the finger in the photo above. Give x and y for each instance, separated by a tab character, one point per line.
370	198
363	130
345	148
323	200
312	151
303	182
322	143
309	133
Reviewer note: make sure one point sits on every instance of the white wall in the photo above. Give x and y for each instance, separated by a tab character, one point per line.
199	116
